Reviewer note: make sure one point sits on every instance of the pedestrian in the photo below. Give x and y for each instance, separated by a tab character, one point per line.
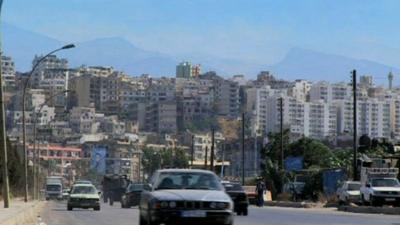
260	190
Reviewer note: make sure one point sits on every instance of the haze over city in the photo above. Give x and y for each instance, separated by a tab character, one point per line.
231	37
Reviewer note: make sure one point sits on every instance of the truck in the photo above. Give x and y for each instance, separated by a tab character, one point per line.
114	187
54	188
379	183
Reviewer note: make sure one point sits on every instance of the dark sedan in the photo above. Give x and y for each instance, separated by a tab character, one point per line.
131	196
181	196
239	197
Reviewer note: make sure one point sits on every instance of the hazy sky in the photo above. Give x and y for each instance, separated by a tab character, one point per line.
258	30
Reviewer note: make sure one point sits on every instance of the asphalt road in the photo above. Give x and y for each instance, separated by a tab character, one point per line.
56	214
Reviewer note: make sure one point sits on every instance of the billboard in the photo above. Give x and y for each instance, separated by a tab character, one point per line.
293	163
98	160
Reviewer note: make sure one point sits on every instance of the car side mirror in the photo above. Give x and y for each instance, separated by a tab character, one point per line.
147	187
368	185
99	192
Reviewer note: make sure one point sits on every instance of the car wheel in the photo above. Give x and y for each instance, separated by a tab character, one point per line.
363	201
374	202
245	212
70	208
142	221
97	208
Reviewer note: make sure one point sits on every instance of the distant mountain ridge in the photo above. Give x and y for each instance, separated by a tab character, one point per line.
298	63
307	64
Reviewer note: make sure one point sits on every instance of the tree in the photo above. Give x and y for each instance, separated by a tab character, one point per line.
153	160
315	154
15	168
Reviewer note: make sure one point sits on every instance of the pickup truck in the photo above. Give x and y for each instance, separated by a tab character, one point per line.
381	187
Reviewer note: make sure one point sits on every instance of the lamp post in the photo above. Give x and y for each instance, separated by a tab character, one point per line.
36	152
3	145
23	115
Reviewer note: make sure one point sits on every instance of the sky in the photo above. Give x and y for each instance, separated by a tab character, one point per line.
259	31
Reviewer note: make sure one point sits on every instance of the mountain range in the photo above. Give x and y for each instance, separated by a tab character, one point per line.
123	55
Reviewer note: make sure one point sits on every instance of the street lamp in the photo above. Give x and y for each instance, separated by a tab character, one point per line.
3	145
23	115
36	152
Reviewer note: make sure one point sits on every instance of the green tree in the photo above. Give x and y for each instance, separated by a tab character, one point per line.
153	160
315	154
15	169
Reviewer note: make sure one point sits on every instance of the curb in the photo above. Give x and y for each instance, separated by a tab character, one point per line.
371	210
25	216
292	204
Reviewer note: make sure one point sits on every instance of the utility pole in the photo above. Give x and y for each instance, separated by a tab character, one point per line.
3	140
205	158
354	81
212	149
243	159
281	131
192	153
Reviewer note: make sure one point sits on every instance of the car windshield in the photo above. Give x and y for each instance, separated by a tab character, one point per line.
83	182
135	187
233	187
84	190
188	180
53	187
353	187
385	183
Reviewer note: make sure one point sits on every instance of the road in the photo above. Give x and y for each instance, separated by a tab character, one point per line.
56	214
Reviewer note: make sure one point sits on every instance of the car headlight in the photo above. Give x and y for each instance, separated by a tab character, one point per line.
164	204
172	204
222	205
213	205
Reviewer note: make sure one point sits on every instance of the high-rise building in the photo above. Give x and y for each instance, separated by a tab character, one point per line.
196	70
373	117
50	62
8	72
184	70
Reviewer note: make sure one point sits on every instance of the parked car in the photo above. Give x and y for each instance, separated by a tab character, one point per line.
83	182
132	195
65	193
185	196
238	196
84	196
348	192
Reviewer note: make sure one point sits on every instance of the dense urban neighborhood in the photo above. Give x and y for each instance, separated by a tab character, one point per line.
180	112
74	115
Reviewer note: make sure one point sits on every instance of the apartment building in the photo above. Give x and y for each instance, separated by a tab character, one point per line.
373	117
8	72
50	62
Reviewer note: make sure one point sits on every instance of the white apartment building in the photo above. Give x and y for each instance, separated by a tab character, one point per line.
320	120
373	117
45	115
300	90
260	105
337	91
50	62
203	142
310	119
8	72
54	82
